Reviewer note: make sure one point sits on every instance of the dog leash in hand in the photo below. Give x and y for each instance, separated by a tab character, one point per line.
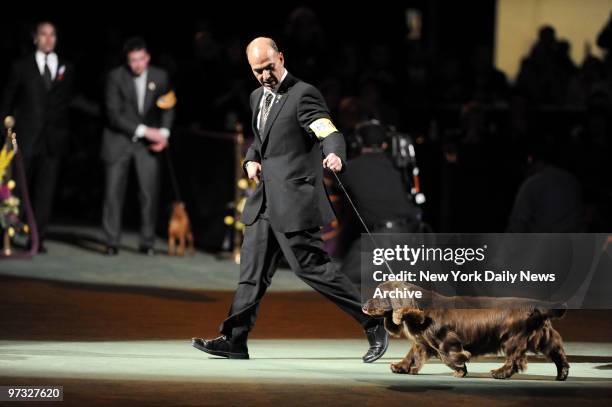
359	216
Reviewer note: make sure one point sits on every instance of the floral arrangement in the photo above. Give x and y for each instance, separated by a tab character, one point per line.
9	203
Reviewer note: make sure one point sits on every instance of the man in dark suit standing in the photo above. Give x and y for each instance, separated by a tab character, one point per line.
38	94
294	140
137	130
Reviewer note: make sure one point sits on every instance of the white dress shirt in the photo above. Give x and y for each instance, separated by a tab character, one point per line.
52	61
263	98
140	83
274	93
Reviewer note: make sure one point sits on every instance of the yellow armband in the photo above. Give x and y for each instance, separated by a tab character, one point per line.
322	128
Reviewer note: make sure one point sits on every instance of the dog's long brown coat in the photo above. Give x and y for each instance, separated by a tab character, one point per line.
455	335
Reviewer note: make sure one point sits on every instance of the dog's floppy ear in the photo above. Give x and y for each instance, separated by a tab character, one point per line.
410	315
394	329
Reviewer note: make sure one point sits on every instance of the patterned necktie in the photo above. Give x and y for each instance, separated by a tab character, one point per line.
265	112
47	79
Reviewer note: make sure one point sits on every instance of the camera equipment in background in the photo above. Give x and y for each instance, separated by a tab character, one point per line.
401	151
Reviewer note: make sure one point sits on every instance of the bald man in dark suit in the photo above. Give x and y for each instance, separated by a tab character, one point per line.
294	140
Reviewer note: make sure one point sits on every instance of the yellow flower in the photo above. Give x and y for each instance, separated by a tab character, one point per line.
12	201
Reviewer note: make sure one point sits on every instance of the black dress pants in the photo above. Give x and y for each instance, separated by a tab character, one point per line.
261	250
41	172
148	175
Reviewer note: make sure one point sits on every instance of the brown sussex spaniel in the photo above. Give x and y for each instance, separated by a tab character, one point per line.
511	325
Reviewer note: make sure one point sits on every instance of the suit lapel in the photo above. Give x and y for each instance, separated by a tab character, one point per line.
37	75
55	81
130	87
255	110
277	104
148	91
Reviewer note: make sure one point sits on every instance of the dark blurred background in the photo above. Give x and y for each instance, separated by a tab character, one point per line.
425	67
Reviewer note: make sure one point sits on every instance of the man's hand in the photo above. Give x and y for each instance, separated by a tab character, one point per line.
159	146
333	162
154	135
253	169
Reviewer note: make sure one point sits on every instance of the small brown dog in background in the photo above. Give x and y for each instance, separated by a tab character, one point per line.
179	228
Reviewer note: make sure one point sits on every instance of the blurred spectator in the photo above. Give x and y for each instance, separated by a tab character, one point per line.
374	105
137	131
379	191
233	102
305	44
199	84
39	93
448	86
350	114
604	41
486	83
331	88
585	83
541	79
548	201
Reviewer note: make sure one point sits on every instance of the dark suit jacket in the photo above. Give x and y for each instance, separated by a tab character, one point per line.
122	110
41	116
291	158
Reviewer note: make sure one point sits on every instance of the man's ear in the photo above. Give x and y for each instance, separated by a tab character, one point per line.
410	315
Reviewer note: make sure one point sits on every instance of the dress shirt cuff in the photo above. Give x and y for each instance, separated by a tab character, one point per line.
164	132
139	133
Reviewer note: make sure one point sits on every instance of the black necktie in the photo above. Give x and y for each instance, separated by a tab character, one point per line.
47	75
265	112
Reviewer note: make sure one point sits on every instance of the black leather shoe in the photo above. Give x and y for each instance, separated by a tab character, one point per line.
378	339
147	251
221	346
111	251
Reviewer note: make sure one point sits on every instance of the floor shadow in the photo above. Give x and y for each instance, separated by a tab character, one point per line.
159	292
88	241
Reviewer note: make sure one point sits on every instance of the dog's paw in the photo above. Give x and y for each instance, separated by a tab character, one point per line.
462	372
501	373
562	374
400	367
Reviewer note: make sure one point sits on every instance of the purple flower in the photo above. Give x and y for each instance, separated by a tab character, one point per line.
5	192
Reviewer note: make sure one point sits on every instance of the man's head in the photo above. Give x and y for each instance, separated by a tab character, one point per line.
267	63
45	37
137	55
373	136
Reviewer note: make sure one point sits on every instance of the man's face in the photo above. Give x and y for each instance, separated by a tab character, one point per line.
267	65
45	38
138	61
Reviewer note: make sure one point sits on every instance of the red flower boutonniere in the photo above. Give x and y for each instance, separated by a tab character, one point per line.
60	73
